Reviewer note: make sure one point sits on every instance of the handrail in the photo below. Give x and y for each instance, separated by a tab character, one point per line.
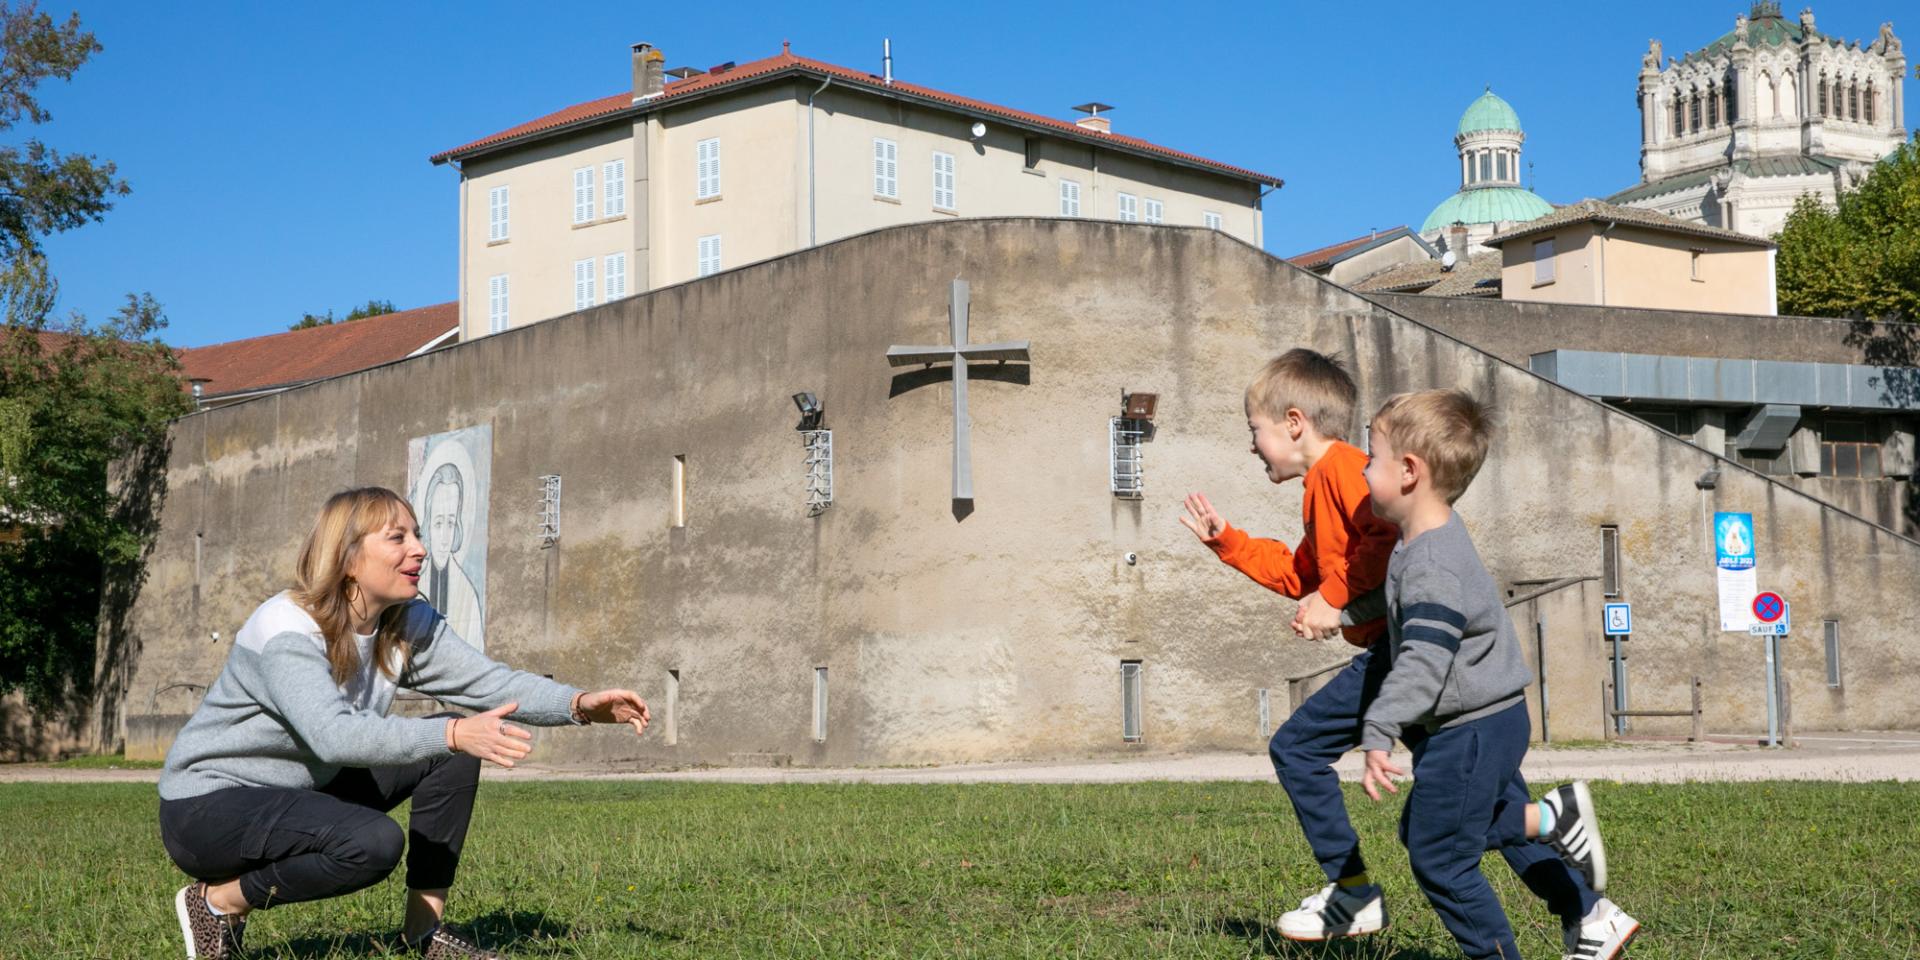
1550	586
153	702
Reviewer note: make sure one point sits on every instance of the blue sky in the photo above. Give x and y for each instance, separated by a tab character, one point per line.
278	152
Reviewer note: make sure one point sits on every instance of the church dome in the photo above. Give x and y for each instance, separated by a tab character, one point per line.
1489	112
1488	205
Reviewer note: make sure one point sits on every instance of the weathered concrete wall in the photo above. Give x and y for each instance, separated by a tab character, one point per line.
1514	331
1001	634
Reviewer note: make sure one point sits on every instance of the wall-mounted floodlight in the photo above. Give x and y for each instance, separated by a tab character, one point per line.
1708	480
978	130
1139	406
811	411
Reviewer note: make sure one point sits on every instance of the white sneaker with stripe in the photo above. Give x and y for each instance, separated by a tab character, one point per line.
1335	911
1602	935
1576	832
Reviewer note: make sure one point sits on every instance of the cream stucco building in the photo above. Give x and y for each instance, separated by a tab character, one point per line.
676	179
1732	134
1606	255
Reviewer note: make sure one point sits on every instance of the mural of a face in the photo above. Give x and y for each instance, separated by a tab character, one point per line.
443	515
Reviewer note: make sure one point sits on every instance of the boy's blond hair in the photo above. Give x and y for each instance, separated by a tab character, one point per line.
1312	383
1448	429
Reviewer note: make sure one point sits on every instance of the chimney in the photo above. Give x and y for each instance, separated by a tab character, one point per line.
1457	240
647	78
1093	120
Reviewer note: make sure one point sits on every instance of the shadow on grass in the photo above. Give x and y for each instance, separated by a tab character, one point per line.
515	932
1270	943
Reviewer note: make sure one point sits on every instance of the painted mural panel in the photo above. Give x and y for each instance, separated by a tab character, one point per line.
449	477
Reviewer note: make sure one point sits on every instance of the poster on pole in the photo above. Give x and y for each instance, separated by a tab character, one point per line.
1733	553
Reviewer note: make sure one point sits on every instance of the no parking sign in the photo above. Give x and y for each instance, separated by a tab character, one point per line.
1773	613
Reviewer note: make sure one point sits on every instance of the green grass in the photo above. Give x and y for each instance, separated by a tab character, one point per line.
609	870
111	761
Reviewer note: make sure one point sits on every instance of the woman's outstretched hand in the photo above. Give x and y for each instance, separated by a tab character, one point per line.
490	737
614	706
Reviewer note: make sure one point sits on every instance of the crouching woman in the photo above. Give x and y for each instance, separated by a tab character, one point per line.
277	789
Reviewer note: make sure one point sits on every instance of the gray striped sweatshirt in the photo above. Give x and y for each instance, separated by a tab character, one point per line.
1455	656
275	718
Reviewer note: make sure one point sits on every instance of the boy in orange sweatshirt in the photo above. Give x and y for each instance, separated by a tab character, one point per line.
1299	409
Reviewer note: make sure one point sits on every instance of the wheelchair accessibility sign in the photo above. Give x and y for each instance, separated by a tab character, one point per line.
1617	619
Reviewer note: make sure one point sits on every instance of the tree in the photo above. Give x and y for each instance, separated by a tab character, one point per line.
1860	260
75	398
372	308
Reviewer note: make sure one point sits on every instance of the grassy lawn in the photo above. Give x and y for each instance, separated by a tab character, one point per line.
1147	870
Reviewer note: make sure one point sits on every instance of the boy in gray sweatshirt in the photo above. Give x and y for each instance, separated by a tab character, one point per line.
1455	692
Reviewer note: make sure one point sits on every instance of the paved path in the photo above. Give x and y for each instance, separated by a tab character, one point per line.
1845	757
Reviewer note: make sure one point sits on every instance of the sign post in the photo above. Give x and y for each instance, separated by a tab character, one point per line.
1617	621
1773	618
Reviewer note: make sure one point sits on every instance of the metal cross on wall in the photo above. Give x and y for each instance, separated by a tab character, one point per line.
958	355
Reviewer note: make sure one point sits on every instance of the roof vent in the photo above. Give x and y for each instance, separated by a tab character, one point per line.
1093	120
682	73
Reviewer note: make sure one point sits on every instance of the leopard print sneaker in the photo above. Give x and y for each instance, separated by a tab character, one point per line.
444	944
209	936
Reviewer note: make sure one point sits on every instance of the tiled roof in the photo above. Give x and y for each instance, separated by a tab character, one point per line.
1478	277
787	63
299	356
1331	252
1588	210
1790	166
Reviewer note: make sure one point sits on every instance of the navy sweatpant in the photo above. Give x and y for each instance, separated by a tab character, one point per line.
1325	728
1461	806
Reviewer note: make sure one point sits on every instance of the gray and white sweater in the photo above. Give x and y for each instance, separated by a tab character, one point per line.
275	717
1455	656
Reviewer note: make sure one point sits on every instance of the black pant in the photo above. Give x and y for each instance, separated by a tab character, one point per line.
290	845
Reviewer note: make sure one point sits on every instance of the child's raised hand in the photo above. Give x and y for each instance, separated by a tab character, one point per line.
1200	517
1316	619
1377	773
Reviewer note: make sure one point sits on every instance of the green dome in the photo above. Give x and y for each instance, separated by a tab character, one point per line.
1489	113
1487	205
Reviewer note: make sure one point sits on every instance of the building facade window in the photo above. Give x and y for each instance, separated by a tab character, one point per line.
583	283
1823	96
497	303
886	169
1848	449
1543	261
613	175
1211	220
1866	104
583	195
943	181
1486	165
616	272
1679	112
1500	166
1693	114
1693	264
709	254
1069	198
1033	153
706	163
1131	697
1853	102
1156	211
497	214
1129	208
1830	633
1713	107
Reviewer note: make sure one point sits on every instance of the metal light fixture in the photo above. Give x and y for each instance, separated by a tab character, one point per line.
811	411
1708	480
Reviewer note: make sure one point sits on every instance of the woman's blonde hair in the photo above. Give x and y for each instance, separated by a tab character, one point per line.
324	588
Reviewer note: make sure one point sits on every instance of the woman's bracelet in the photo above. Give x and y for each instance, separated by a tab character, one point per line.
453	741
574	708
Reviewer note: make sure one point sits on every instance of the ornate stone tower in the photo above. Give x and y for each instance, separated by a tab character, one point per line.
1733	133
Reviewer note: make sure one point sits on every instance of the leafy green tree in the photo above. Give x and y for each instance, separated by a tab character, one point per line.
372	308
1860	260
75	399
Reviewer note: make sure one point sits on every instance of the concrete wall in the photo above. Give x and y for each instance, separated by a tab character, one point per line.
996	633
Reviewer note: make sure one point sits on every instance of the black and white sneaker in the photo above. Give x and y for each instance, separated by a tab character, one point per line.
1576	832
1602	935
1335	911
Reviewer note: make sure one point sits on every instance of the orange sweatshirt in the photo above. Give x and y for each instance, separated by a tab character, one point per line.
1345	548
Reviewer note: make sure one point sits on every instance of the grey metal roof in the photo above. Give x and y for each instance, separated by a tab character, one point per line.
1711	380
